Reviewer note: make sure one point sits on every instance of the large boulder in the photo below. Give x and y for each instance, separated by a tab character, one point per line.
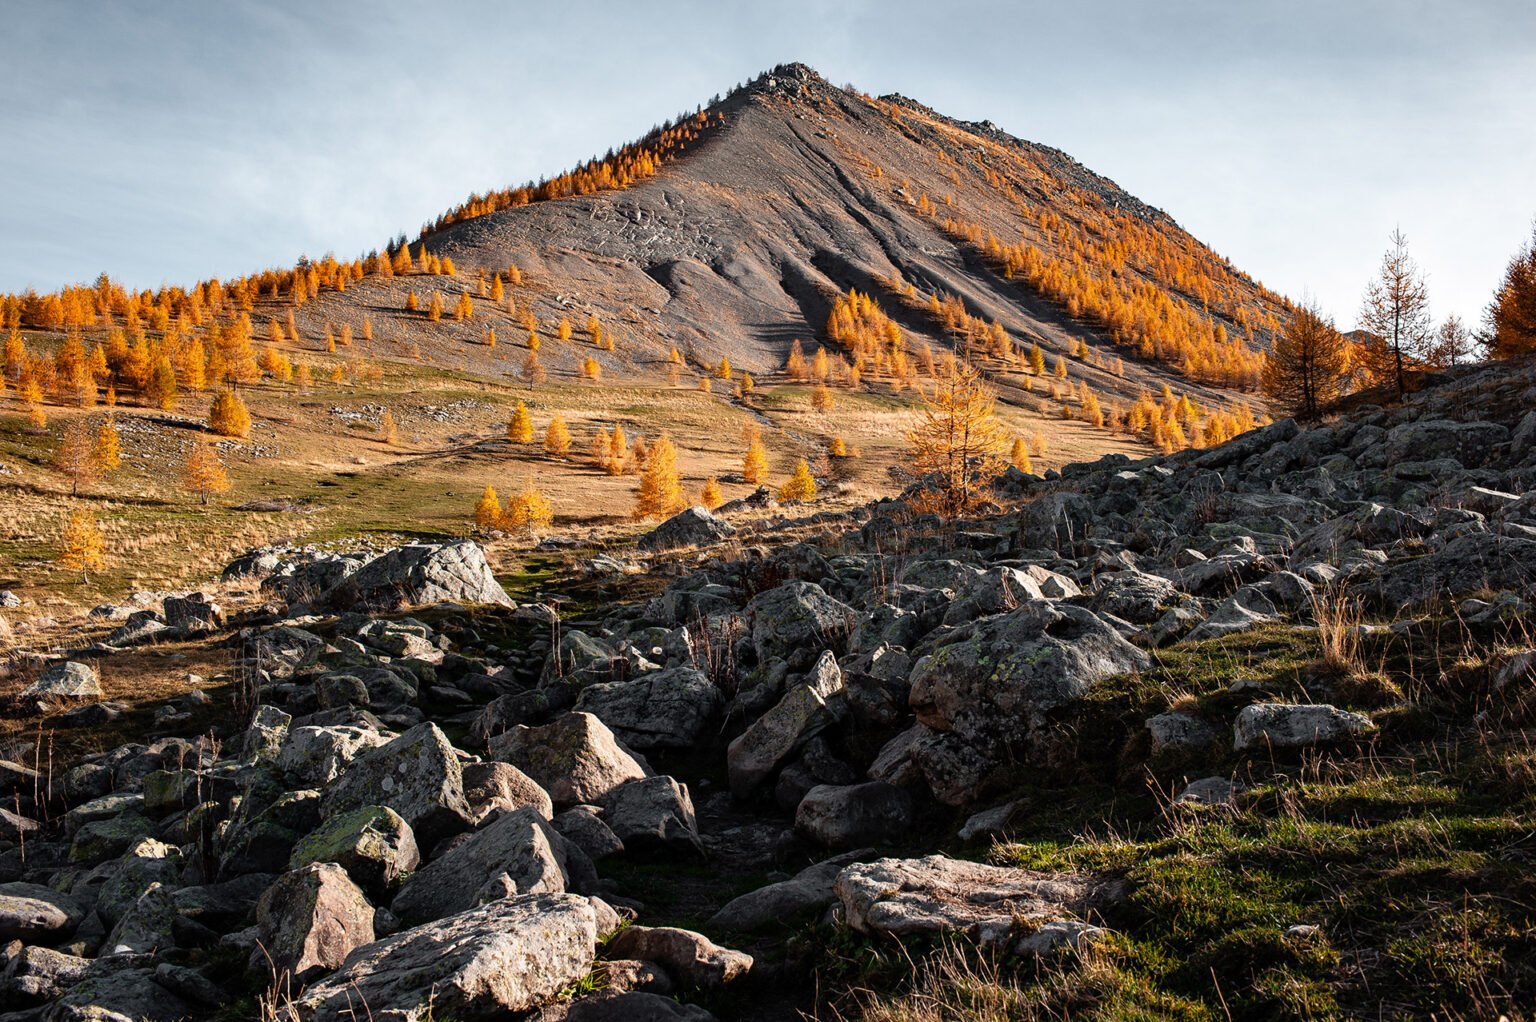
1470	563
37	914
989	687
502	787
520	846
1470	443
652	812
373	844
797	621
690	958
694	526
666	709
757	753
315	756
505	956
937	894
417	775
853	815
1295	725
575	758
310	920
420	573
65	680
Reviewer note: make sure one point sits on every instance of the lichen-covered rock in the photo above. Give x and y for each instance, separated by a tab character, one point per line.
757	753
148	925
311	919
854	815
781	903
504	956
652	812
575	758
420	573
417	775
520	845
65	680
33	975
692	959
373	844
937	894
312	757
502	787
796	622
693	526
1294	726
37	914
667	709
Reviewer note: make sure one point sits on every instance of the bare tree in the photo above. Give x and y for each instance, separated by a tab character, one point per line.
1396	314
1454	344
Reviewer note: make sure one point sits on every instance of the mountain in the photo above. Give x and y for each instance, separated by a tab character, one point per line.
743	228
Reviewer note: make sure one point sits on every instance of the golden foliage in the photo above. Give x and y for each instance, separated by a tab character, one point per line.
754	464
800	485
488	511
228	416
660	492
203	472
710	496
557	438
959	441
82	547
520	426
528	510
76	456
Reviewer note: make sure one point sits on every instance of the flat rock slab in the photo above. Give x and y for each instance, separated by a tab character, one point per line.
505	956
37	914
937	894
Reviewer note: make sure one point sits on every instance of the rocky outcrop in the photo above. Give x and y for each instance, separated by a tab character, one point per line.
575	758
417	574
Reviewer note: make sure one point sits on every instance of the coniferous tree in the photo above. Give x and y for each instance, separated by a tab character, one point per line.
488	511
76	456
754	465
108	452
959	440
660	492
1511	316
1395	313
1019	456
801	485
709	496
228	416
203	473
520	426
557	438
387	428
1306	366
83	547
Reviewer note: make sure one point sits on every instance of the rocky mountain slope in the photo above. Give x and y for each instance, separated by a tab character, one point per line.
797	191
1238	730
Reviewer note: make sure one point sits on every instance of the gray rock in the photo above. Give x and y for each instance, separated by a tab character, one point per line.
780	903
987	823
520	844
796	622
757	753
148	926
141	627
502	787
667	709
504	956
420	573
583	826
652	812
692	959
119	989
854	815
692	527
1208	791
37	974
37	914
66	680
196	612
612	1005
575	758
1135	596
312	757
1176	733
1293	726
311	919
936	894
417	775
373	844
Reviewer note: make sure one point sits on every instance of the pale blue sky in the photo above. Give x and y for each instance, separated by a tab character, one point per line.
167	141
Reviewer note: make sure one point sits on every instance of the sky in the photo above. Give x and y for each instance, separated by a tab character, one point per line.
166	141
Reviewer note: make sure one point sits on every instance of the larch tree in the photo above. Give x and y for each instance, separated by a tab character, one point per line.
76	456
1307	363
710	496
591	369
1454	344
1019	456
520	426
557	438
1395	312
228	416
83	547
203	473
959	440
821	398
388	431
660	492
532	370
800	485
1511	316
563	330
109	451
528	510
160	391
754	464
488	509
